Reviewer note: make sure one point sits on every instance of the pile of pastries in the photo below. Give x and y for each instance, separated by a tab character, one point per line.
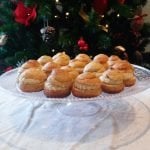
59	76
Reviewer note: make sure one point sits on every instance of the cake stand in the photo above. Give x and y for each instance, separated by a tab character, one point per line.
128	117
78	107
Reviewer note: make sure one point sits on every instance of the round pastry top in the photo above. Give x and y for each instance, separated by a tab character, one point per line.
33	73
44	59
123	65
49	66
101	58
31	64
88	78
83	57
60	75
76	63
94	67
113	58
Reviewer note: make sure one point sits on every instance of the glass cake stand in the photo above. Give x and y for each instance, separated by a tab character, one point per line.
78	107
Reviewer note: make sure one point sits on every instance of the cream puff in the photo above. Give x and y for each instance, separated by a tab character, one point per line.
127	70
112	81
112	60
86	85
58	84
78	65
102	59
44	59
94	67
48	67
31	63
83	57
72	71
31	80
61	58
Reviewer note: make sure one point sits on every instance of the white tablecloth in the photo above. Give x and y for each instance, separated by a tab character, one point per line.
40	125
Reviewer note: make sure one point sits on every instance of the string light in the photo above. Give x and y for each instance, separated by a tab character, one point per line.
106	25
56	16
118	15
53	50
101	17
67	13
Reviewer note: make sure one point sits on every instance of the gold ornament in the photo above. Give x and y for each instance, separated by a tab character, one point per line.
83	15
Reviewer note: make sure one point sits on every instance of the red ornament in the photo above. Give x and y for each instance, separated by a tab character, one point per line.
100	6
81	42
24	15
121	1
85	47
8	68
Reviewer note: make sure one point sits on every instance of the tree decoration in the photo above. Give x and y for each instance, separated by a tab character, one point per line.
82	44
59	6
48	33
24	15
8	68
121	52
3	39
100	6
83	15
103	24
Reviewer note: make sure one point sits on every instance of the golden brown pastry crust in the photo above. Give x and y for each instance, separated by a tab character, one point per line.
130	82
112	81
113	59
101	58
72	71
48	67
58	84
112	89
44	59
78	65
86	85
114	75
61	58
123	65
59	81
56	93
29	64
127	70
83	57
94	67
32	80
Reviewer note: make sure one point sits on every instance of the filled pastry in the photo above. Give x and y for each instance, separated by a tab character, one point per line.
112	81
86	85
44	59
31	80
58	84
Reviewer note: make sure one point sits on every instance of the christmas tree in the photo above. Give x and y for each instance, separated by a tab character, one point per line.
31	28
